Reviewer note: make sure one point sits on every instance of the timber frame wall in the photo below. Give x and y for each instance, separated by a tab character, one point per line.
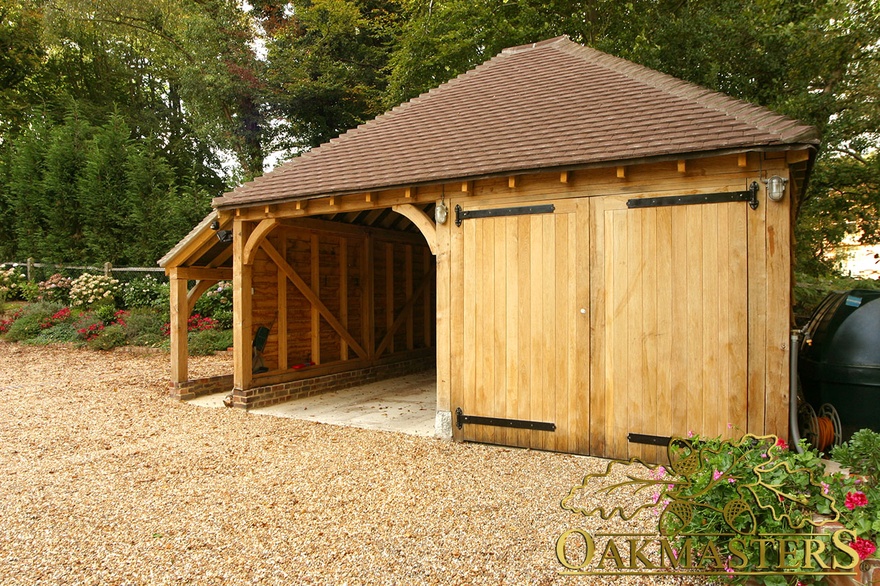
329	282
336	298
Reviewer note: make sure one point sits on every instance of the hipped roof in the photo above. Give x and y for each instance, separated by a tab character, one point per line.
549	105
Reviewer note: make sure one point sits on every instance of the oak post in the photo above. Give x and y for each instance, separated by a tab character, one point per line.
179	316
242	307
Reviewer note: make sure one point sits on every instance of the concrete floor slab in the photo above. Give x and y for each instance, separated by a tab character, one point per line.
406	404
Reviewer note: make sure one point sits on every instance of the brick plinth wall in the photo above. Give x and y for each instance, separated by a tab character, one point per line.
306	387
201	386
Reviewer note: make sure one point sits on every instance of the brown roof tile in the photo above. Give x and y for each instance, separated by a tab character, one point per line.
554	104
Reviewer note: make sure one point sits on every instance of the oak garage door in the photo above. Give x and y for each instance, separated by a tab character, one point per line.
525	331
670	322
603	320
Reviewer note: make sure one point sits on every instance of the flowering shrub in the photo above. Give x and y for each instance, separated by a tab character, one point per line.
31	319
864	547
195	323
108	338
12	283
861	454
88	290
143	292
859	492
91	331
757	486
6	322
120	316
217	303
60	316
55	288
220	294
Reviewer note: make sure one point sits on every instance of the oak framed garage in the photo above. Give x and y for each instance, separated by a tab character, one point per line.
610	269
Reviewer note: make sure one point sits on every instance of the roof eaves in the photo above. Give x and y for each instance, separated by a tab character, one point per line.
674	155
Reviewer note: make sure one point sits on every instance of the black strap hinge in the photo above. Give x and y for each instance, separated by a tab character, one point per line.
461	215
750	195
461	419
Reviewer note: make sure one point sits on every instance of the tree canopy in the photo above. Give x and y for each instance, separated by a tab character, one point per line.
119	120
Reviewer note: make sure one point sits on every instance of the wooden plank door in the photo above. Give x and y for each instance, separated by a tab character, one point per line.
525	329
670	323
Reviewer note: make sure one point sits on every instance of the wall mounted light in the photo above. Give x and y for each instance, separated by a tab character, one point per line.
775	187
441	212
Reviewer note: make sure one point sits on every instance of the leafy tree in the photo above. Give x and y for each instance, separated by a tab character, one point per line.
21	54
101	192
325	66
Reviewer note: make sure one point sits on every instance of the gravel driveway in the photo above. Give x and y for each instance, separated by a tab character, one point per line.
107	481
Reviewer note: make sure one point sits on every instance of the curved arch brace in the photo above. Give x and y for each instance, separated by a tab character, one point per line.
197	291
257	236
425	225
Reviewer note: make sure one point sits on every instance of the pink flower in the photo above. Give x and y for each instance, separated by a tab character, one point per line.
825	488
717	474
655	497
855	499
690	433
864	547
731	480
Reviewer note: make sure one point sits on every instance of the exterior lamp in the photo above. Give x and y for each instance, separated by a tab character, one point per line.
775	187
441	212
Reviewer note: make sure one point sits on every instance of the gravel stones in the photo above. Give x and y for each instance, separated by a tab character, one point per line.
105	480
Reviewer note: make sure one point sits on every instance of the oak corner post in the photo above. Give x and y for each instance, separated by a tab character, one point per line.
242	302
179	316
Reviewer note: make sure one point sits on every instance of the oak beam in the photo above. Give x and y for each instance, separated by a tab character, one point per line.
743	160
316	288
339	228
401	317
793	157
179	316
282	307
368	306
242	307
408	286
682	166
621	172
426	262
564	177
421	220
260	232
389	289
311	297
200	273
197	291
343	293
